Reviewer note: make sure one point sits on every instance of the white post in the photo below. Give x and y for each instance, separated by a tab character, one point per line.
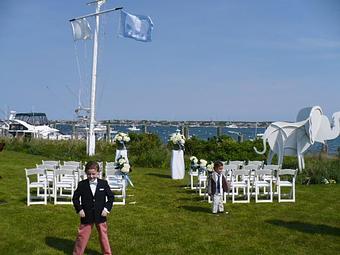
92	141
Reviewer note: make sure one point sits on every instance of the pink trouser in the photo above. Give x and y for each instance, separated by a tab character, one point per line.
84	233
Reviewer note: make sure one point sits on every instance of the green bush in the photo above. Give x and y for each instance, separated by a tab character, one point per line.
223	148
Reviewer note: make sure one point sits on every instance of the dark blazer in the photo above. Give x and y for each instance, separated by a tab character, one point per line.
212	184
93	205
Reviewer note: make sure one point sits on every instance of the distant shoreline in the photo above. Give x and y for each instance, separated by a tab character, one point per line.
191	123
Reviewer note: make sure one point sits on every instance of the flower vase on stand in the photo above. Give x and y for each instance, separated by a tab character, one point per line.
177	156
121	139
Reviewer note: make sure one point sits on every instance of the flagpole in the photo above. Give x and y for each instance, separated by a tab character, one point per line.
92	139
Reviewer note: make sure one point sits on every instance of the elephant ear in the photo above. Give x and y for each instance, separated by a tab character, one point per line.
313	115
314	123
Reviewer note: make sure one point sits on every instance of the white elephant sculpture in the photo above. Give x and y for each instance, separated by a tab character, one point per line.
285	138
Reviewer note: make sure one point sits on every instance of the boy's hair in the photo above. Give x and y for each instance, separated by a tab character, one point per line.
91	165
217	164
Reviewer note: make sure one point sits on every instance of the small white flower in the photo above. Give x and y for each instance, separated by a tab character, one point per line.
210	167
193	160
125	168
121	161
126	139
203	163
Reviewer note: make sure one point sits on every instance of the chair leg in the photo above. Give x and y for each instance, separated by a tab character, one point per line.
28	195
45	194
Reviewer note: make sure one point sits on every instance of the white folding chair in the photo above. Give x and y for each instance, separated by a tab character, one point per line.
251	168
117	183
286	179
240	179
228	170
263	180
275	169
193	174
202	182
64	182
38	183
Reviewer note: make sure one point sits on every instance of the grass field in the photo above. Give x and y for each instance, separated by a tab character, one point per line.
169	219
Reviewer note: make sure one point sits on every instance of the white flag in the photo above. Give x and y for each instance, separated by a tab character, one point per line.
81	29
138	27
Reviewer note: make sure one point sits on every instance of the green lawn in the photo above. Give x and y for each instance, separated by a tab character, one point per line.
169	219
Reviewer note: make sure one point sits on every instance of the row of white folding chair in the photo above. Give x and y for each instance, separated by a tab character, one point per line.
71	176
61	181
263	179
117	183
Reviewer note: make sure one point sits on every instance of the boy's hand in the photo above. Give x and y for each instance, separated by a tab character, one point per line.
104	213
82	213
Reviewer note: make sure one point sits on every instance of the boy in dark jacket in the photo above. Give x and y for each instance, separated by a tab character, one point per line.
89	200
217	185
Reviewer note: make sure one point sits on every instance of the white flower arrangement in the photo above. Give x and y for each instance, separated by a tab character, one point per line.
122	164
193	160
210	167
203	163
121	138
178	140
201	166
324	181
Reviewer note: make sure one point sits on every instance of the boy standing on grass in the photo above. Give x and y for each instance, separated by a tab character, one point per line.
217	185
89	200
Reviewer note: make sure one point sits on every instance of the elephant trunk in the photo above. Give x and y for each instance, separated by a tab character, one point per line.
264	148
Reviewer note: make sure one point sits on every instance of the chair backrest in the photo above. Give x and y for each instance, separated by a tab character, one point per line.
256	162
112	172
64	172
240	174
109	164
72	163
239	163
230	167
55	163
47	166
291	172
34	171
251	167
273	167
262	172
68	167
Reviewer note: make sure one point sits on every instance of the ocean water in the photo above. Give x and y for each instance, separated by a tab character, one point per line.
206	132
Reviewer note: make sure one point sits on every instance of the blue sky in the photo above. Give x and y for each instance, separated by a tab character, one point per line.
209	60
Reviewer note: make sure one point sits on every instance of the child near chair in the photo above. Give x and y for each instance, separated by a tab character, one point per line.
217	185
93	201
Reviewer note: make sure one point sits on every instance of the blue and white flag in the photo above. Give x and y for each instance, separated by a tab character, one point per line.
138	27
81	29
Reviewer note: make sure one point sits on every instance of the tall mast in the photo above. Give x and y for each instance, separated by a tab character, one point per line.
92	140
